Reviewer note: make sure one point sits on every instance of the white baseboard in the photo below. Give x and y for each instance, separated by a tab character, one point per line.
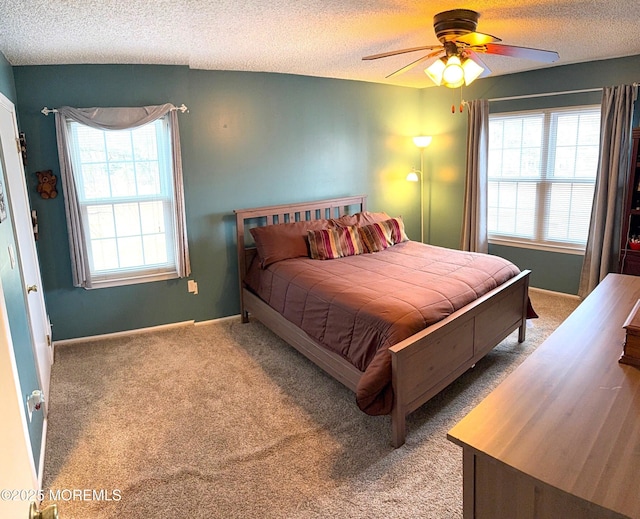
92	338
554	293
219	320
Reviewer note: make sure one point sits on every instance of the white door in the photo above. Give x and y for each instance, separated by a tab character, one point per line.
18	471
28	257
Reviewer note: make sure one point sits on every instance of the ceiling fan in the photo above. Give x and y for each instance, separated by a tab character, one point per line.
458	62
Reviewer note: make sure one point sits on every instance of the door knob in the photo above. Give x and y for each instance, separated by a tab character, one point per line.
50	512
32	288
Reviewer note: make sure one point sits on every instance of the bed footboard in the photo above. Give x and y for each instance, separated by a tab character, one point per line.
426	363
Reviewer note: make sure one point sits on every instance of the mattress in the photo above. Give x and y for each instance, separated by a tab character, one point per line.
358	306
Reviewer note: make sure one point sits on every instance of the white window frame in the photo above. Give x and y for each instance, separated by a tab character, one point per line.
543	184
102	278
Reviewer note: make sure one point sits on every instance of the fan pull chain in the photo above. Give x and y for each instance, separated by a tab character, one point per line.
453	105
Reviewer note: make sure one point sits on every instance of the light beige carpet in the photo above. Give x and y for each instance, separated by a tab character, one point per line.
224	420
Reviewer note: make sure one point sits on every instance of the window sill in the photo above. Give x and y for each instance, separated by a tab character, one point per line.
110	283
561	249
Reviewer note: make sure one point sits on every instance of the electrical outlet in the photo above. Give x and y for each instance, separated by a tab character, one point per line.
192	286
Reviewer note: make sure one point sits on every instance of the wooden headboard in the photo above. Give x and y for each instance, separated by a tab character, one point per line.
304	211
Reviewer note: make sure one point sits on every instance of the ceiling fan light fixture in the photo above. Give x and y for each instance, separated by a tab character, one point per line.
453	73
471	71
435	70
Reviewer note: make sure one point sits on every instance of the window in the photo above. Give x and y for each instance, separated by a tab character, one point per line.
126	201
541	172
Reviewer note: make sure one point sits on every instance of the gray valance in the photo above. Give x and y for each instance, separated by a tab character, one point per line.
115	118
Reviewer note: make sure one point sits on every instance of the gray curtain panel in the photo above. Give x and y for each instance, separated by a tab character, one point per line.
603	243
474	224
115	119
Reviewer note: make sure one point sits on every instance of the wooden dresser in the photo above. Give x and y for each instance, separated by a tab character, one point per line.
560	437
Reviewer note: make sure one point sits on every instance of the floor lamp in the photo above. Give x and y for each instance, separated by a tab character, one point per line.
421	142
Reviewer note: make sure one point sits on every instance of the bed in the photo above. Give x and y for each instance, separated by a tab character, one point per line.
413	363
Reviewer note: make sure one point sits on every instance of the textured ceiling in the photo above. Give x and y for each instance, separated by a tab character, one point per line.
325	38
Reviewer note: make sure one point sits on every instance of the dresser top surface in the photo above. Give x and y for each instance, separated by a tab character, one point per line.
569	415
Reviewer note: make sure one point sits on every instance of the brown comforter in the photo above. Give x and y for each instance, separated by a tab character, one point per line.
359	306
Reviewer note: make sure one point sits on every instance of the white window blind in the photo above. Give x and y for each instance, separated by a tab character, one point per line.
541	172
127	204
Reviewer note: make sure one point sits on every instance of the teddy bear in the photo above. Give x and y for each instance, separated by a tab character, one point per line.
47	184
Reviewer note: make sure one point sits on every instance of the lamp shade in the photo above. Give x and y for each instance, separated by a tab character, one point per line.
422	141
471	71
435	70
453	73
413	176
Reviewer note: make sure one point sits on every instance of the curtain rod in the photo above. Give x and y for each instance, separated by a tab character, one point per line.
545	94
549	94
47	111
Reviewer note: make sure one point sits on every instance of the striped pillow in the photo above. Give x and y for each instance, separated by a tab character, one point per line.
379	236
396	228
335	243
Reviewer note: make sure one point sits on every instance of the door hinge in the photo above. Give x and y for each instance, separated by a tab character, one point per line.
48	340
50	512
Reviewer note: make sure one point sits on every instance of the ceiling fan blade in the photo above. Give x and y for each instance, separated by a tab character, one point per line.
477	38
414	63
402	51
547	56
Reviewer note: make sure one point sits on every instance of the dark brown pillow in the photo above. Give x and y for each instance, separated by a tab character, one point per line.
285	240
359	219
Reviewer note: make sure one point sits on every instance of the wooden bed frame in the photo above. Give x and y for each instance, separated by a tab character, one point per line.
423	364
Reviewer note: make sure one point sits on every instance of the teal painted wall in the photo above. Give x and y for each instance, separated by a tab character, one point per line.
258	139
7	82
249	139
12	285
552	271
